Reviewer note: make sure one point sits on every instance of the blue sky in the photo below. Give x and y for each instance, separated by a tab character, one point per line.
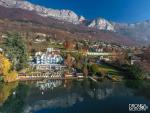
115	10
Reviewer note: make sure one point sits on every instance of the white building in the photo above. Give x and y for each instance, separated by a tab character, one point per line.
50	57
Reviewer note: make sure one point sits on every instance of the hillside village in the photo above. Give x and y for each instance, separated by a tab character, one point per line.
81	58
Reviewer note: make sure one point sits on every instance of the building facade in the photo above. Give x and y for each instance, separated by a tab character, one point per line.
49	60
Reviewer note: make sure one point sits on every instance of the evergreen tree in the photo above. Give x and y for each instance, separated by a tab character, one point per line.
16	51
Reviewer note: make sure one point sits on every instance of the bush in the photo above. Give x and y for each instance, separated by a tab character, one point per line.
135	72
95	69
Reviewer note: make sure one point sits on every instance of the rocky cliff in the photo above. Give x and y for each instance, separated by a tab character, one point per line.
66	15
101	24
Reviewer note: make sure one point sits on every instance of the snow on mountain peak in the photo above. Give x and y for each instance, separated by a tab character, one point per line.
101	24
65	15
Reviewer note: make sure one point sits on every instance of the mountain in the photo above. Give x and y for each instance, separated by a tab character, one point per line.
65	15
29	22
101	24
78	26
140	31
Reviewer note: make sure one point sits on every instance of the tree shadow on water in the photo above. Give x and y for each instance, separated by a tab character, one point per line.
141	87
16	101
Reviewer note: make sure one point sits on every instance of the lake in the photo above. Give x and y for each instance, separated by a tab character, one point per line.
74	96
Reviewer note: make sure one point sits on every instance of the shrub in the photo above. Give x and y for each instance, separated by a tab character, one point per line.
135	72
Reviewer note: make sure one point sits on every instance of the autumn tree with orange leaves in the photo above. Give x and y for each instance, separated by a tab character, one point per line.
69	61
69	44
6	71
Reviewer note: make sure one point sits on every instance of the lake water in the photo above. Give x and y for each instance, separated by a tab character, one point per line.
73	96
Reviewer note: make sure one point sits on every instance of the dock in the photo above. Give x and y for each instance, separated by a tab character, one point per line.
93	79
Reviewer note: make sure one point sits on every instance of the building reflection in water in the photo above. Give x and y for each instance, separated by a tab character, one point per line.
54	94
50	84
68	93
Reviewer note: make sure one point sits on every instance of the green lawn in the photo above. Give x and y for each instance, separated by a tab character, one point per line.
109	70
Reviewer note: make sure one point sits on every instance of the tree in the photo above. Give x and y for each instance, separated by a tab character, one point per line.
85	70
4	65
69	44
69	61
78	66
6	69
135	72
121	58
16	51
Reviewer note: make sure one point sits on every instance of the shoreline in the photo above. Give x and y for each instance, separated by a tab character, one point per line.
73	78
57	78
95	79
